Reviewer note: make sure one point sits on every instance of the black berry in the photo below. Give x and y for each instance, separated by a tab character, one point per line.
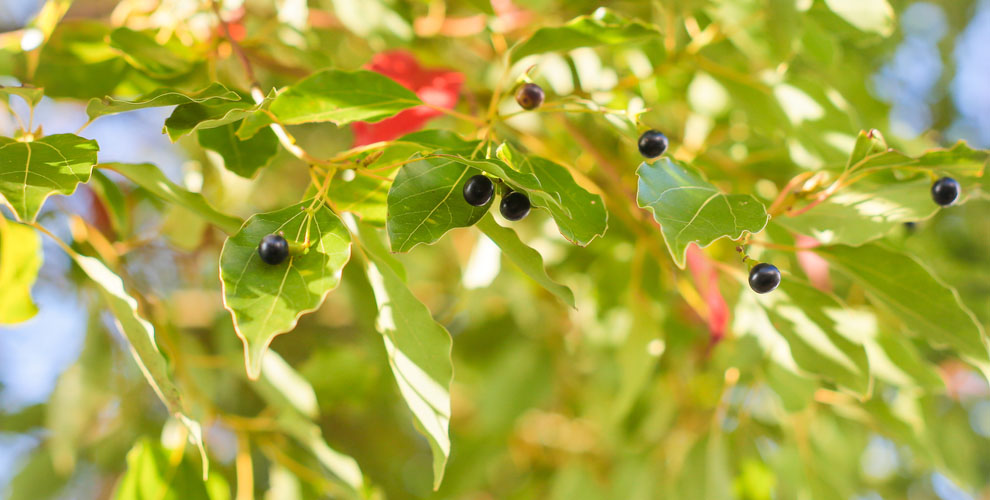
764	278
478	190
945	191
652	143
273	249
530	96
514	206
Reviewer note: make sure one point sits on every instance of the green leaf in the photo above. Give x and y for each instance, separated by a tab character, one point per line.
372	19
343	97
140	336
20	260
867	15
32	171
31	95
528	260
864	212
77	62
150	178
267	300
484	6
927	307
159	60
159	98
242	157
895	359
810	322
580	215
37	479
187	118
426	200
603	27
959	161
113	199
418	352
691	210
153	474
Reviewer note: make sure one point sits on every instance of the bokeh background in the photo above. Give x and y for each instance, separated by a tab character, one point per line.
935	77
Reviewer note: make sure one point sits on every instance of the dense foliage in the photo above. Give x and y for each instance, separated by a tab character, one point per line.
415	250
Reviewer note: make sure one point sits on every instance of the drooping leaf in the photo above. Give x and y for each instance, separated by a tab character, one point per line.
808	320
867	15
165	60
580	215
140	335
152	179
426	200
691	210
899	282
32	171
242	157
343	97
158	98
528	260
153	473
267	300
419	351
20	260
31	95
190	117
603	27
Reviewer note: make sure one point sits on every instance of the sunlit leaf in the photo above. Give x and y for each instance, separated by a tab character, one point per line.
152	179
243	157
528	260
77	62
343	97
31	95
152	472
603	27
193	116
867	15
159	60
20	260
267	300
691	210
32	171
213	94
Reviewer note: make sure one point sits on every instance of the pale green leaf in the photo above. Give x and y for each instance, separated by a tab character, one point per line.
959	161
603	27
426	200
528	260
153	474
159	60
150	178
867	15
31	95
691	210
899	282
372	18
243	157
343	97
267	300
418	352
77	62
32	171
289	383
20	260
158	98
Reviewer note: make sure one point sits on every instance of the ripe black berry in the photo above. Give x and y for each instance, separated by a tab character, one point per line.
945	191
478	190
273	249
530	96
764	278
652	143
514	206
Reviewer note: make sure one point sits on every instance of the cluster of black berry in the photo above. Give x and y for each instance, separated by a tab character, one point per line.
479	191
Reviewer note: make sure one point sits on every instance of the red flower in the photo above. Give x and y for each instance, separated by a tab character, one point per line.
438	87
705	276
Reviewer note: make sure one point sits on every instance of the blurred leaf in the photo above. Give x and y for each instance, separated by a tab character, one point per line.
603	27
20	260
483	5
24	419
159	60
267	300
927	307
292	386
140	335
794	390
528	260
867	15
161	97
77	62
242	157
37	479
426	200
154	472
371	17
691	210
113	200
419	351
959	160
189	117
896	360
580	215
31	95
32	171
150	178
343	97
